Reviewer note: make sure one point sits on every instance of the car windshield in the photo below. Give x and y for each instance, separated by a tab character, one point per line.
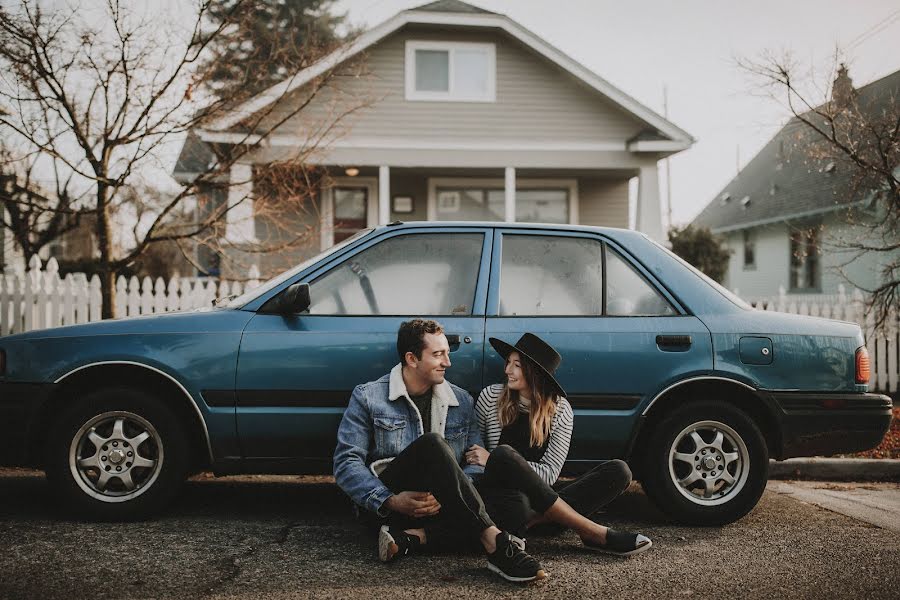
255	292
712	283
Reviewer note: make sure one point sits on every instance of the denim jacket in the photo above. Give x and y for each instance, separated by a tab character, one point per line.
381	421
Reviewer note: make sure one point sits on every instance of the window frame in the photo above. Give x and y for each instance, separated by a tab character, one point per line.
748	237
493	299
490	183
412	94
803	229
481	285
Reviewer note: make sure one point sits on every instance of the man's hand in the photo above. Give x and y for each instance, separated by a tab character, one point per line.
476	455
413	504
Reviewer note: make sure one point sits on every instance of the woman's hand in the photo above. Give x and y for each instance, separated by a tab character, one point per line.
476	455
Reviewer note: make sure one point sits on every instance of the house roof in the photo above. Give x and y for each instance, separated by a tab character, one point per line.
454	12
453	6
783	182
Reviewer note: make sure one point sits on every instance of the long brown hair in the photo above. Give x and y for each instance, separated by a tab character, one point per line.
543	402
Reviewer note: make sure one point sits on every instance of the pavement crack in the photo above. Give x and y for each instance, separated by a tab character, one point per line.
235	566
285	532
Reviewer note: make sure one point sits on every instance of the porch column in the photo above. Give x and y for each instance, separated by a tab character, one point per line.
649	211
509	194
326	219
384	195
240	225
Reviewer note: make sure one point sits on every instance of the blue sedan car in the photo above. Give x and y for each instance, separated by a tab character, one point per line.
663	367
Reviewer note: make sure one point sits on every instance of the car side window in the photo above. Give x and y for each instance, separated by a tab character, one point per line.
551	276
628	293
416	274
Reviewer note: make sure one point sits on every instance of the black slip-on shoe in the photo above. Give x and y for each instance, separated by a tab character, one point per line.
621	543
392	545
512	563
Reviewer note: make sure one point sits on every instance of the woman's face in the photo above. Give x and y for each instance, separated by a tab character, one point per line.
515	377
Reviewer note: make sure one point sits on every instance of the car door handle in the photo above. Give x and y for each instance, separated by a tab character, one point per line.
672	341
453	340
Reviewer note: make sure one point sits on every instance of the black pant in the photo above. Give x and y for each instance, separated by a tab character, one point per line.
429	465
514	494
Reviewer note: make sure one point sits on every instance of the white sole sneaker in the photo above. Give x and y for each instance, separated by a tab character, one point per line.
387	545
638	550
540	575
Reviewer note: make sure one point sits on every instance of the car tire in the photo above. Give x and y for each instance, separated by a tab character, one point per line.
117	454
707	464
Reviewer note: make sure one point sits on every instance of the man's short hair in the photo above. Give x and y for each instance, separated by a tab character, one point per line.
411	336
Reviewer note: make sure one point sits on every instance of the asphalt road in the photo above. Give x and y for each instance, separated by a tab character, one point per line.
280	537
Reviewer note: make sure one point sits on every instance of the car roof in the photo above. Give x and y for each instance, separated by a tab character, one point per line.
614	232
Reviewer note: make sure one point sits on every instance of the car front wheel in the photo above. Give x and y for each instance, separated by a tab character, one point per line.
117	454
707	464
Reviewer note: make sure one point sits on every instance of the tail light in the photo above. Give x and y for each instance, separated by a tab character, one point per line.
862	365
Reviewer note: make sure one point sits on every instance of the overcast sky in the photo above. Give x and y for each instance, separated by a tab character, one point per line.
691	46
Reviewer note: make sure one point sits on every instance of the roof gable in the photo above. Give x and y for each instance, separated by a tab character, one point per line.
456	13
783	182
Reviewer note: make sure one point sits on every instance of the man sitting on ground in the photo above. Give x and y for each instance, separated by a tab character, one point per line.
400	448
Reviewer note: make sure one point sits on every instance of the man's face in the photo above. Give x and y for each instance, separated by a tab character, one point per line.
434	362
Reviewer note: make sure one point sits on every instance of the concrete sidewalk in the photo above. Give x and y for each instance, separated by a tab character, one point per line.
836	469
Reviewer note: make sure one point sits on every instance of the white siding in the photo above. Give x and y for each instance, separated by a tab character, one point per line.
773	261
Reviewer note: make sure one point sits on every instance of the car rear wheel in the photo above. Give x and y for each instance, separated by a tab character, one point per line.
117	454
707	464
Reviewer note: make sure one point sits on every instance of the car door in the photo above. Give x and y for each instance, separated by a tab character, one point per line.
296	372
620	334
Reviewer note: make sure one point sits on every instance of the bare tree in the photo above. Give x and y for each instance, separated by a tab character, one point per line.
856	132
97	93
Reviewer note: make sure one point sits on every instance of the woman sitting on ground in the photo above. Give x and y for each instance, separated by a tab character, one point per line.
527	424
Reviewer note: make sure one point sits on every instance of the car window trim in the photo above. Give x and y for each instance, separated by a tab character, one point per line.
493	299
479	299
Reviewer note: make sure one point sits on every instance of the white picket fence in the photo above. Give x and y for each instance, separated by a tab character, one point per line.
40	298
882	342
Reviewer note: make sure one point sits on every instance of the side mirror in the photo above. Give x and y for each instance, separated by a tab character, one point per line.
293	300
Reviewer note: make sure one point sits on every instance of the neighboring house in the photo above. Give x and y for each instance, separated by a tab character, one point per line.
473	117
785	216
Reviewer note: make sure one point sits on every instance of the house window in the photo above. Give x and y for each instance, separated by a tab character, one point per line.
805	252
749	249
450	71
350	210
488	204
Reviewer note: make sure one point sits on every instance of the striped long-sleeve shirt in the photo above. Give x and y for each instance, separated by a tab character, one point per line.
550	465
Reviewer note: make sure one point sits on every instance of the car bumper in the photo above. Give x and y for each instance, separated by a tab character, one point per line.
826	424
19	406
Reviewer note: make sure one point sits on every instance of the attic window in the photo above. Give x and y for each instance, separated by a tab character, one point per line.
745	201
450	71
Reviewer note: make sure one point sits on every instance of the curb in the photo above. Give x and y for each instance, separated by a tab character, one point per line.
836	469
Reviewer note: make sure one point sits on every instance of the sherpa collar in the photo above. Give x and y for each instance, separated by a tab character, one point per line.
442	396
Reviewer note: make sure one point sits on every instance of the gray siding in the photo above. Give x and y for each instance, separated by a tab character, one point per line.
536	101
603	202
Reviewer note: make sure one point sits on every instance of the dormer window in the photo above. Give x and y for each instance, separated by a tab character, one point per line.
450	71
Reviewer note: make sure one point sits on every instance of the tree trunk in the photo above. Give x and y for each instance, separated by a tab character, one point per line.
104	240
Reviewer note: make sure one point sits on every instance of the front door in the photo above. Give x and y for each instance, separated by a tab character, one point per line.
295	373
618	333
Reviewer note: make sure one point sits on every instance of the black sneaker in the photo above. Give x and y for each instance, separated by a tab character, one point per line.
395	544
511	562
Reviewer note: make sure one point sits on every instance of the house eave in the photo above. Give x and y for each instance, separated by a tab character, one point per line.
783	218
502	22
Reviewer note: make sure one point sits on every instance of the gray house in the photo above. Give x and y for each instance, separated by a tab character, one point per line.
787	215
470	117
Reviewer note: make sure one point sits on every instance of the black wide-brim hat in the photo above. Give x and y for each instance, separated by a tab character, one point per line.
540	353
